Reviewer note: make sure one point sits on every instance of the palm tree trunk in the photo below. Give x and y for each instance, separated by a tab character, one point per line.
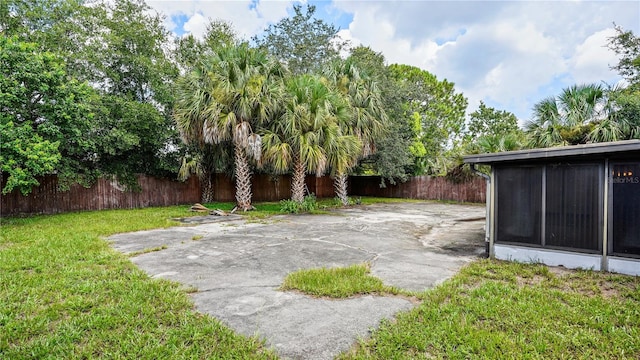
243	180
207	188
340	185
297	182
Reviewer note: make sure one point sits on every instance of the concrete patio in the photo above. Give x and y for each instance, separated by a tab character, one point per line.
237	266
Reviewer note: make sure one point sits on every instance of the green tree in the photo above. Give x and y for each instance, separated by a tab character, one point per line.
489	121
441	111
24	155
46	118
227	98
492	130
625	101
303	42
578	115
627	46
201	158
497	143
190	50
129	61
306	137
118	48
394	156
625	104
368	120
59	26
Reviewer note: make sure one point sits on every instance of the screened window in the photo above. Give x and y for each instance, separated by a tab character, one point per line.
519	203
625	208
573	203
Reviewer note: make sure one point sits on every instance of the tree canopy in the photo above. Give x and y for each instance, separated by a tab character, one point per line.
437	113
625	101
100	88
117	50
226	99
627	46
303	42
45	118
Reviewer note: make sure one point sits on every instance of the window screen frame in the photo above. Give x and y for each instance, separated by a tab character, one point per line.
537	238
541	220
611	251
597	215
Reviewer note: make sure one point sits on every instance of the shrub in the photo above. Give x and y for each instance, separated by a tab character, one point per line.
309	203
289	206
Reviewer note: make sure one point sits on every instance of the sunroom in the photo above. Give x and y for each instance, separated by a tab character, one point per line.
574	206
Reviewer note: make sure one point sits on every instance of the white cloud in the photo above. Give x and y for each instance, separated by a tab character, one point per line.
246	17
507	53
197	25
592	59
370	28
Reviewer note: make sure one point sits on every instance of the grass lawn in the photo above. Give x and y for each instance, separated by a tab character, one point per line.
500	310
337	282
64	293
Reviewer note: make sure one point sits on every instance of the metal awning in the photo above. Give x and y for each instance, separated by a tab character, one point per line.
627	147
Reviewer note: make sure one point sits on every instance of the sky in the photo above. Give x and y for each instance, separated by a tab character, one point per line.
509	54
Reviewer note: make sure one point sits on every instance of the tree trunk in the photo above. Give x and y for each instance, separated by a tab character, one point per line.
340	185
207	188
243	180
297	181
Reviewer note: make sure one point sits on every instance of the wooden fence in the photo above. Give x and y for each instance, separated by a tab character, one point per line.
107	194
269	187
104	194
421	187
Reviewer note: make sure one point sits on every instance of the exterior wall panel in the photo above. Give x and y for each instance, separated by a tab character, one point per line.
573	203
625	208
519	204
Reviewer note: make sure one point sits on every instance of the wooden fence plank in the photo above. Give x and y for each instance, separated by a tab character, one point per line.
108	194
421	187
104	194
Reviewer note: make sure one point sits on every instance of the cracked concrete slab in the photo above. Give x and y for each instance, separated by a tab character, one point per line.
237	267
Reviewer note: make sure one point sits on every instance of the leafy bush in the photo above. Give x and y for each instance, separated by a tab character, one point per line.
336	202
309	203
289	206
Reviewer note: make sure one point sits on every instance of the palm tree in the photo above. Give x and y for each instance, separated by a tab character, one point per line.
544	129
226	97
343	152
496	143
205	160
367	122
305	131
578	115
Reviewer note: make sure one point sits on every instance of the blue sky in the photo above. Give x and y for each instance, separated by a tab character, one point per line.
509	54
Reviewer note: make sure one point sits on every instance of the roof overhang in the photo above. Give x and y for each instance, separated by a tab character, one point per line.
557	153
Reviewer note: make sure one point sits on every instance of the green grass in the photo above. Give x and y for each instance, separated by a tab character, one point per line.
366	200
64	293
267	209
146	251
337	282
495	309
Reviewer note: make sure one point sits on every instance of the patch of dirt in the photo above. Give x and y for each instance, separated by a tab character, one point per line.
529	281
560	271
609	291
466	237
